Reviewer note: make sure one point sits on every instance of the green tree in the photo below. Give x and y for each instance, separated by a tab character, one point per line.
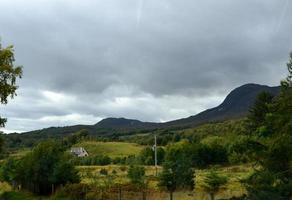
287	83
8	75
213	182
167	179
177	168
46	168
274	179
1	143
258	112
136	174
8	171
147	156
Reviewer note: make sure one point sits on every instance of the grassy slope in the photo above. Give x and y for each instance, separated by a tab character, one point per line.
111	149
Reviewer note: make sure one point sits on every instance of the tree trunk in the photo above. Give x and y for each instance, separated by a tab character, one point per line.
144	195
170	195
53	189
212	196
120	193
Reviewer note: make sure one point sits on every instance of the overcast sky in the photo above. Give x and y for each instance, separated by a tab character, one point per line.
152	60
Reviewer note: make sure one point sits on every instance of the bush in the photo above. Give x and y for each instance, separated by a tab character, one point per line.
204	155
136	174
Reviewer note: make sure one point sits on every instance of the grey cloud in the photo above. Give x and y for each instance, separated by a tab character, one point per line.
97	51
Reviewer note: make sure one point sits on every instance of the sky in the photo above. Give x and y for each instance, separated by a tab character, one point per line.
151	60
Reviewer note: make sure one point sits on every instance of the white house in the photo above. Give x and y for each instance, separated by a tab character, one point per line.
79	151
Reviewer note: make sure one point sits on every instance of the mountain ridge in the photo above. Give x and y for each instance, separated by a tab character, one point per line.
235	105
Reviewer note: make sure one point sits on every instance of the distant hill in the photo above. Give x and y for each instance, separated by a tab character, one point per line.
123	123
236	105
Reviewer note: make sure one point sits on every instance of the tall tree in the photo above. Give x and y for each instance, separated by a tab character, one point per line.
177	169
274	179
8	75
258	112
1	142
213	182
287	83
136	174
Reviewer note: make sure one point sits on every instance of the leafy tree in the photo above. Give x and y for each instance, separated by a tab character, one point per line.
147	156
45	168
8	171
177	169
212	183
168	179
8	75
137	176
203	155
274	179
287	83
246	149
1	143
75	138
259	111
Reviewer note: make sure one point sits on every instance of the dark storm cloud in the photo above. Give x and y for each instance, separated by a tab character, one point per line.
115	57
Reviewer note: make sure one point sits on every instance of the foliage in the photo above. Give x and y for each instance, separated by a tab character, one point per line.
287	83
8	75
258	112
177	168
137	175
245	149
93	160
213	181
8	171
274	179
205	155
45	166
75	138
1	142
147	156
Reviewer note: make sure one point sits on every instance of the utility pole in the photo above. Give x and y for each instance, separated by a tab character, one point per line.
155	148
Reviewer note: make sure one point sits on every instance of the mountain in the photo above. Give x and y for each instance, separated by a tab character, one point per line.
123	123
236	105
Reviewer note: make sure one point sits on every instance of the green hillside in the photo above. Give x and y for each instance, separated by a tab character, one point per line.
111	149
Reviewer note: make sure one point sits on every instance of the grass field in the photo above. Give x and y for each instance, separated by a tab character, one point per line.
91	175
111	149
118	174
